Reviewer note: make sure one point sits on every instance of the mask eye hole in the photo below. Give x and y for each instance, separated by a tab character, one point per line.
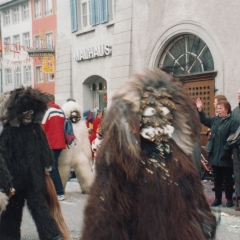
28	112
149	111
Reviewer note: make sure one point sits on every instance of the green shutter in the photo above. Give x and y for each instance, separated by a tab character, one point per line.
95	11
104	11
73	9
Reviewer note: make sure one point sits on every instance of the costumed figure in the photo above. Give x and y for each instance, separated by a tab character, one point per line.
24	156
78	155
146	185
96	144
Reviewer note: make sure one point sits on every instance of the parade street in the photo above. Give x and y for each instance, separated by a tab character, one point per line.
73	209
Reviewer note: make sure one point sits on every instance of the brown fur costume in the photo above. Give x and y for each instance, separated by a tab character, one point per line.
141	191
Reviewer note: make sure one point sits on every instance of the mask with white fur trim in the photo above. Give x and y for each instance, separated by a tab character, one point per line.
156	112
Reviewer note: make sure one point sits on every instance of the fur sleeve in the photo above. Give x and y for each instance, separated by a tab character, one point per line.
5	177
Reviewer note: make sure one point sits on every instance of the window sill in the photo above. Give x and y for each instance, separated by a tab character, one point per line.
84	31
109	24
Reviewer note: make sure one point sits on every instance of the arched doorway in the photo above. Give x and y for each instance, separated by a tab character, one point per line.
95	93
190	57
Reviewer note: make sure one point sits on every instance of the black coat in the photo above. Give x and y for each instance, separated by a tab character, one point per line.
221	129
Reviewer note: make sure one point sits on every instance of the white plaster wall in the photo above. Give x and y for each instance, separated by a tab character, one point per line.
23	26
63	78
216	20
101	66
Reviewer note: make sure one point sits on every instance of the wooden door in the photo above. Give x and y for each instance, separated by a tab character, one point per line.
202	86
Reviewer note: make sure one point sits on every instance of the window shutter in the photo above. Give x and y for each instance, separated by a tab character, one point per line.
73	9
104	11
95	8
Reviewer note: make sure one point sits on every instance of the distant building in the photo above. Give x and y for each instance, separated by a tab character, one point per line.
44	25
16	32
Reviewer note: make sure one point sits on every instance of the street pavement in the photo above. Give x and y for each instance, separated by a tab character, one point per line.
75	202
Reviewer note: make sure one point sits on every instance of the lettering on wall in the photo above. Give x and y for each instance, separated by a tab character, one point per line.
93	52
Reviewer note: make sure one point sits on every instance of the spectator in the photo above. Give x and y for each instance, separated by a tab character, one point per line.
53	123
221	126
92	124
236	151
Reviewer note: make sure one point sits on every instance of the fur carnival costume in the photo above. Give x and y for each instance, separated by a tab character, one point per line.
78	155
146	185
24	155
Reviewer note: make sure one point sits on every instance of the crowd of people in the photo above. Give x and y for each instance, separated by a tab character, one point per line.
38	113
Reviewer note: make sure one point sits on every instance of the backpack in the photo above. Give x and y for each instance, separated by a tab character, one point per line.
68	131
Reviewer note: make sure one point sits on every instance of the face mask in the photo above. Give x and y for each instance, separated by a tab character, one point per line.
27	117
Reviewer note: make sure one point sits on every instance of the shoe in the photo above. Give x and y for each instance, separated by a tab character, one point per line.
229	203
216	203
61	197
234	198
237	208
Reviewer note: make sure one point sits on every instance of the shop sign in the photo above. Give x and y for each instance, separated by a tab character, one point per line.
41	54
93	52
48	64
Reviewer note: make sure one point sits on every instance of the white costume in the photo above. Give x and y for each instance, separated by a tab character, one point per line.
78	156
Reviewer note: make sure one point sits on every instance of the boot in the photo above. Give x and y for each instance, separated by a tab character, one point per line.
229	203
216	202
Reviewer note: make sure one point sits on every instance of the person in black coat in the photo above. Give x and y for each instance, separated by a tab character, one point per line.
24	155
220	156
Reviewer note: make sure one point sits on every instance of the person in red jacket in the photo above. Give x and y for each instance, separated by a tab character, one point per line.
53	123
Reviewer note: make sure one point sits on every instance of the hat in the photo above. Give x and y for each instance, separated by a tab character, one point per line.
85	114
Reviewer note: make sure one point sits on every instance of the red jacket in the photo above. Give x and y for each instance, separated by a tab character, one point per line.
53	123
93	126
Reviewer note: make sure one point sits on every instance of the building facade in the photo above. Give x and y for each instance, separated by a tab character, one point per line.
44	25
196	38
16	32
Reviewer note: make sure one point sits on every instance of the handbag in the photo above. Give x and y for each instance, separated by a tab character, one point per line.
234	139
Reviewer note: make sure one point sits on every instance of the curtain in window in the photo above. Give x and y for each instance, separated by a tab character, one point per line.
73	9
104	11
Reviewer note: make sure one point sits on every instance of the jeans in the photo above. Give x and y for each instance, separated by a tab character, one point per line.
54	174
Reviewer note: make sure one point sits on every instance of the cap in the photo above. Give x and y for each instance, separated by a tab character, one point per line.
85	114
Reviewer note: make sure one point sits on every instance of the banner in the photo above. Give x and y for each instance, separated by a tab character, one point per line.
48	64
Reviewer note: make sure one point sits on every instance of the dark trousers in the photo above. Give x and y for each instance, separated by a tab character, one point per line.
55	176
223	175
236	168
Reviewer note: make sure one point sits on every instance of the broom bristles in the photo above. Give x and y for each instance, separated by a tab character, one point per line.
55	208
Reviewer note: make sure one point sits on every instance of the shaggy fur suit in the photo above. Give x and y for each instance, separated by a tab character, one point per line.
24	154
139	192
78	155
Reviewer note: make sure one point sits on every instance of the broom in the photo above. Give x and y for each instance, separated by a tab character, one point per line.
55	208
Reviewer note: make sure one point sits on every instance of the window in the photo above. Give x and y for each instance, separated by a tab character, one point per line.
25	11
6	17
18	77
16	42
16	14
49	40
187	54
50	77
26	39
27	74
8	74
86	13
48	6
7	45
39	74
38	42
37	8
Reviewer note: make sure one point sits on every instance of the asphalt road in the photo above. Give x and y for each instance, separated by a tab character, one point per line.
73	209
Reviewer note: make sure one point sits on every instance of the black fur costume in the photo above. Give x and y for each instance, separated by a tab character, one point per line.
148	189
26	153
